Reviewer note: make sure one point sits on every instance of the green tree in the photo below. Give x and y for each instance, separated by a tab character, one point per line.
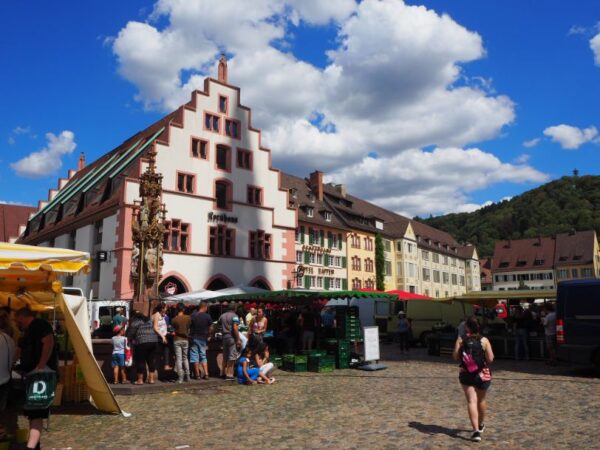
379	263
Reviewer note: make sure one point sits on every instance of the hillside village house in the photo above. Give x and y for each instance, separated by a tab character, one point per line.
228	222
540	263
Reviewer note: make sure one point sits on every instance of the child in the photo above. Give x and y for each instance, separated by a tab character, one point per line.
247	374
119	342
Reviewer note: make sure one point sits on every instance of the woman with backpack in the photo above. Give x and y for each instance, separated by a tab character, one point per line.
475	355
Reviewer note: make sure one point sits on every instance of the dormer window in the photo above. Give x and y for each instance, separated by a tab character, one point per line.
379	224
311	197
328	215
503	264
521	263
310	212
538	262
294	193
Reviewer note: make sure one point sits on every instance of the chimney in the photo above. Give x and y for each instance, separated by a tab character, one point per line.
341	188
222	74
316	184
81	164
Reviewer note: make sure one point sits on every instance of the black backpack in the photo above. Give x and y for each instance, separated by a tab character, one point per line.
473	356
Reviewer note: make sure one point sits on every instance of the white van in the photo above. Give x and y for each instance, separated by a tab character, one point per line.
101	314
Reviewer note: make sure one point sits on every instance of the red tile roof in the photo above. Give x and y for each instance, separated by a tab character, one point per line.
11	218
575	248
486	270
524	254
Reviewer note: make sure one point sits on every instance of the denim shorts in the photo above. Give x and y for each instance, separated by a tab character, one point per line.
198	351
118	359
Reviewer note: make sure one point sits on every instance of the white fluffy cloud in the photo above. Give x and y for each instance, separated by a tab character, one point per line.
47	160
421	182
595	45
531	143
394	80
570	137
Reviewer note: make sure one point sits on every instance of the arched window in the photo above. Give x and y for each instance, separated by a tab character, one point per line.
217	284
223	194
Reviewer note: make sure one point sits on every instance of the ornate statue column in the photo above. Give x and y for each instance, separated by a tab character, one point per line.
148	234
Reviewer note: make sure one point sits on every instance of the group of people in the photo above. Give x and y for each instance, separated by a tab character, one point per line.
31	342
186	333
526	321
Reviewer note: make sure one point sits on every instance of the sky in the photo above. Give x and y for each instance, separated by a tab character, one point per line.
423	107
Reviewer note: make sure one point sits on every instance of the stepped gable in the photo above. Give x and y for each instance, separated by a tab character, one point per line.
305	198
575	248
524	254
12	217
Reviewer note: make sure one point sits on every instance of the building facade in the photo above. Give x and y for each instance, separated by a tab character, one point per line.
320	239
524	264
228	220
541	263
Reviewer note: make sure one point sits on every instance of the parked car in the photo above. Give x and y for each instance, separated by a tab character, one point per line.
578	322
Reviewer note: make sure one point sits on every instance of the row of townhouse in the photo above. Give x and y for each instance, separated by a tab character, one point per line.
541	263
232	219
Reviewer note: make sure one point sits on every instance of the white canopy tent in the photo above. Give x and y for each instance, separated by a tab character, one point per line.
194	298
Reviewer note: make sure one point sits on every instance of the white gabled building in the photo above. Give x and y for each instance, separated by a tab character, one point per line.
228	220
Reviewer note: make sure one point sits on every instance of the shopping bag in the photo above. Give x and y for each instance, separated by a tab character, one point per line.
40	389
128	357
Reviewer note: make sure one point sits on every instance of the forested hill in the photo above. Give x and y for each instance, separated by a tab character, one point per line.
556	207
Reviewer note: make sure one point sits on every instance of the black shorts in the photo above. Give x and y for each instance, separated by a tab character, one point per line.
473	379
33	414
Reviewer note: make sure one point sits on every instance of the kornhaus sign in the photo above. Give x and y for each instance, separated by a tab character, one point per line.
224	218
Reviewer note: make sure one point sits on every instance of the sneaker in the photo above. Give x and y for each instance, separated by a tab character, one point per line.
476	436
482	427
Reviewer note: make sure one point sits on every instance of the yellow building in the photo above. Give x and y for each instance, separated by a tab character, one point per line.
361	259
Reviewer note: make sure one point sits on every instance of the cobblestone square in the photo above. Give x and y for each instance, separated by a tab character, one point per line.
415	403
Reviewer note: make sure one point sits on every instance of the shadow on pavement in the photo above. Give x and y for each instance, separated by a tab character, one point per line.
438	429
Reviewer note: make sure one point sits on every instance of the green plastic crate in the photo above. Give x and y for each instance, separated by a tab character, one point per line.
314	352
321	363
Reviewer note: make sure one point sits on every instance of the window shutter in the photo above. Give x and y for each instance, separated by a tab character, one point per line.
326	260
326	284
340	241
302	235
344	262
306	282
322	237
310	236
345	284
306	258
329	239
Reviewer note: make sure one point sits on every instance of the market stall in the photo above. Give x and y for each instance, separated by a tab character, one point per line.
336	337
29	278
499	330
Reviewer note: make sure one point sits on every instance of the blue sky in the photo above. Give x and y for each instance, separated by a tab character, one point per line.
75	66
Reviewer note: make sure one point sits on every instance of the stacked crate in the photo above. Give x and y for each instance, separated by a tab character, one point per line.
74	387
276	360
348	324
340	349
295	363
321	363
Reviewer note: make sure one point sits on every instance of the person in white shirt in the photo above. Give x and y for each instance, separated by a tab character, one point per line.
7	359
549	322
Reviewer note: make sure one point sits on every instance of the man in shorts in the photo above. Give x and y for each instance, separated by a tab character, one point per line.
38	353
199	332
232	343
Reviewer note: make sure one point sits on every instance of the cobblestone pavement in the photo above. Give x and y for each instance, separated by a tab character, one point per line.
416	403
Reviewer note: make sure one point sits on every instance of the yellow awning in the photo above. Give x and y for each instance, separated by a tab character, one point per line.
15	258
28	279
491	298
